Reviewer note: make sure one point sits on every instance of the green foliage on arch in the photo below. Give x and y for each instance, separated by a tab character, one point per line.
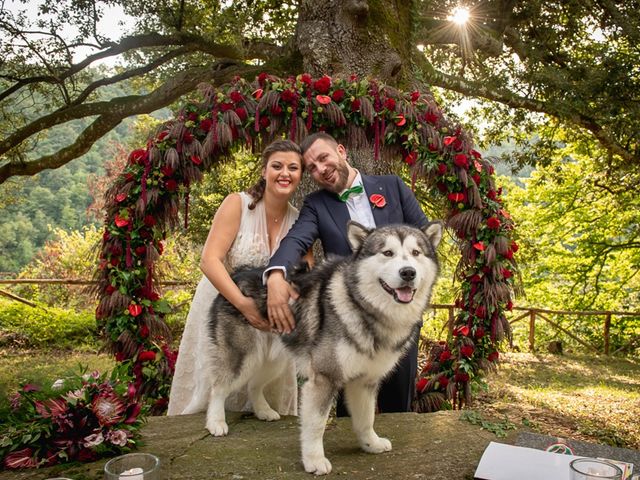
142	208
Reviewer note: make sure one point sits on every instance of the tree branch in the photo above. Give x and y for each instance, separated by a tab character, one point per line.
113	112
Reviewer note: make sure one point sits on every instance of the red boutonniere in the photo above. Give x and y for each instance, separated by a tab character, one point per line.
378	200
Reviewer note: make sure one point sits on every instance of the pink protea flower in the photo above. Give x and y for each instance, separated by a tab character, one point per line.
108	409
93	440
21	459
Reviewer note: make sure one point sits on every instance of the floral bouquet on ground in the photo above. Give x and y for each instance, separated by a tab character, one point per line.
79	418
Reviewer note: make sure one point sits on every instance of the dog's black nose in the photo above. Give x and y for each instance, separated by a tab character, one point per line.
407	273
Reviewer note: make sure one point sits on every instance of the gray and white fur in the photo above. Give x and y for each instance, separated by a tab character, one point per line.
355	318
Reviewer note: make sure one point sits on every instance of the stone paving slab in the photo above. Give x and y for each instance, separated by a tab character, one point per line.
436	446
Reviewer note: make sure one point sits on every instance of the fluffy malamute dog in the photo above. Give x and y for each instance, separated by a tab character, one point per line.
354	319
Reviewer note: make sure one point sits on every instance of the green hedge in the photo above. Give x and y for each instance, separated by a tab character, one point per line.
22	326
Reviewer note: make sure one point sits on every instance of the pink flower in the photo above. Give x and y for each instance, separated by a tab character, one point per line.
449	140
108	409
93	440
121	197
323	99
118	437
378	200
20	459
400	120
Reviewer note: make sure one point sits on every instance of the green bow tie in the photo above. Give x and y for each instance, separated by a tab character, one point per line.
355	190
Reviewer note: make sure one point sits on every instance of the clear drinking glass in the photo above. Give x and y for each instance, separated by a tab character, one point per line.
133	466
591	469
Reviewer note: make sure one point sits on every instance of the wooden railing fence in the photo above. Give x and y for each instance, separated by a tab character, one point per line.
527	312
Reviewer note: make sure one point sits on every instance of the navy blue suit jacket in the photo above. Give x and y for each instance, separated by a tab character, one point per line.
323	216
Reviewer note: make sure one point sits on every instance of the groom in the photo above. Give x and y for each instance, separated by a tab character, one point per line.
345	194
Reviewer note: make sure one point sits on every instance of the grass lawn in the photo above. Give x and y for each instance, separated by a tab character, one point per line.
588	398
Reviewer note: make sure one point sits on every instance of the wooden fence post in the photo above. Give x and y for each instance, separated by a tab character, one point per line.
607	328
451	318
532	330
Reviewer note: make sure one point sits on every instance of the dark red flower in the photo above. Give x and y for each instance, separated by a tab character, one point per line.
445	355
132	413
242	113
147	356
479	333
476	178
448	140
508	254
226	106
443	381
265	122
288	95
355	105
258	94
442	169
493	356
160	248
276	110
493	223
390	104
187	137
378	200
193	116
506	273
479	246
23	458
171	185
431	118
149	220
461	377
206	124
514	247
196	159
110	289
235	96
415	96
461	331
138	156
466	350
322	85
306	79
121	197
421	385
121	221
410	158
140	250
338	95
162	135
262	78
144	330
167	171
509	305
461	160
135	309
456	197
481	311
492	194
476	154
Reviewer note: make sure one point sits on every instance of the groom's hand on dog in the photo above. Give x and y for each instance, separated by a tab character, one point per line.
279	292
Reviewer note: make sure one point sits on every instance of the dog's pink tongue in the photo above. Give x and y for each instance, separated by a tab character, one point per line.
404	294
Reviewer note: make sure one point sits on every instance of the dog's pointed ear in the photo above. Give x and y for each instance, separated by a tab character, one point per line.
433	231
356	234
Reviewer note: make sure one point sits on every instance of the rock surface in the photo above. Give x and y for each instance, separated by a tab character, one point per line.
425	446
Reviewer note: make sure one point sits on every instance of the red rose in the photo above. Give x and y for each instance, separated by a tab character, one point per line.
415	96
378	200
115	261
226	106
258	94
443	381
193	116
492	194
442	169
323	99
276	110
481	311
242	113
493	356
476	178
514	247
445	355
475	278
448	140
461	160
306	79
288	95
479	333
338	95
433	147
138	156
196	159
355	105
390	104
265	122
322	85
508	254
120	357
135	309
206	124
493	223
421	385
235	96
144	331
167	171
110	289
410	159
461	377
262	78
149	220
171	185
146	356
141	250
466	350
506	273
121	197
431	118
121	221
400	120
187	137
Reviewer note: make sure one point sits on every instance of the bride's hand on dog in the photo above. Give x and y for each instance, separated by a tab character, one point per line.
278	294
250	311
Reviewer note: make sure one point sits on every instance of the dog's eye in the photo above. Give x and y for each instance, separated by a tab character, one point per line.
415	253
388	253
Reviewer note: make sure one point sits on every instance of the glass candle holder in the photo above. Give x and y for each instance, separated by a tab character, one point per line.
133	466
592	469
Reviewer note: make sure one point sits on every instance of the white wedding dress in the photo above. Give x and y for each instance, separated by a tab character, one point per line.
251	247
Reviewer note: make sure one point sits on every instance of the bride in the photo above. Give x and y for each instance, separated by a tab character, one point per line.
246	230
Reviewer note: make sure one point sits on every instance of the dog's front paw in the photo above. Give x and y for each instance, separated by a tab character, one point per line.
218	428
377	445
317	465
269	415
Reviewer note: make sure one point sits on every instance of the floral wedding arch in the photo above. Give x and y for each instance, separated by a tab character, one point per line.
142	207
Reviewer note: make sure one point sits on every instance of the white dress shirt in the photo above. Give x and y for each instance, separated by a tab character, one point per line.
358	205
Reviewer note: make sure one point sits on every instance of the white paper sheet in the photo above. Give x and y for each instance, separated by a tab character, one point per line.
508	462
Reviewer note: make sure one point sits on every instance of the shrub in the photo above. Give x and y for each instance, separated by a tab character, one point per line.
23	326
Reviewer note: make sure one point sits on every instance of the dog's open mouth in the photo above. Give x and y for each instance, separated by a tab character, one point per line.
400	295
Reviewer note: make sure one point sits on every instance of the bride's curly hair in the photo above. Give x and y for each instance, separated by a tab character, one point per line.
257	190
